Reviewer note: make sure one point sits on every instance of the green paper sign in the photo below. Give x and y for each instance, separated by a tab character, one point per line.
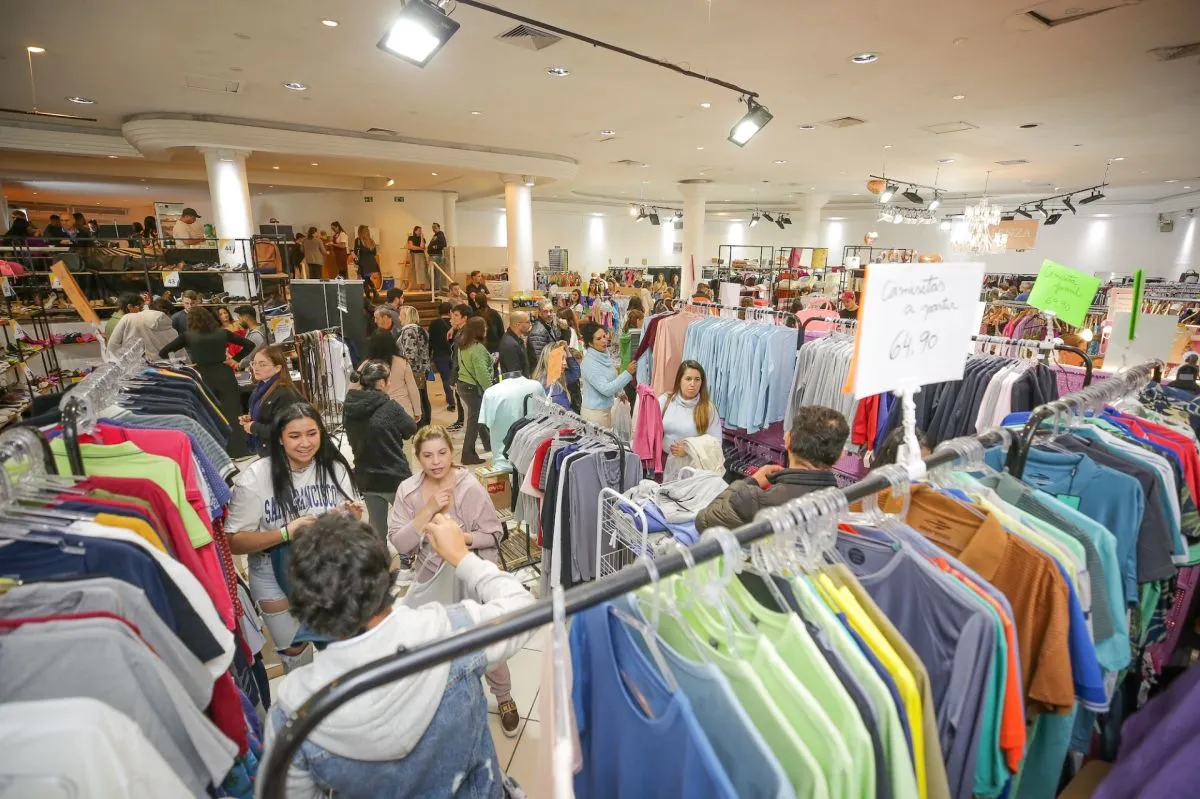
1064	292
1135	312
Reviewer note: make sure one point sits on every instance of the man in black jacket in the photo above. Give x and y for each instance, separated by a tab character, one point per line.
513	355
814	445
542	332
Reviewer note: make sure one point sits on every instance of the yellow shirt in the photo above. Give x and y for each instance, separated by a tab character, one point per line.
137	526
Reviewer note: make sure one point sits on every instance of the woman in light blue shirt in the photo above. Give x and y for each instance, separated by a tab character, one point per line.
602	382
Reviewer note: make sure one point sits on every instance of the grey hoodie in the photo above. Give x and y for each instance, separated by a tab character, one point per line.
152	327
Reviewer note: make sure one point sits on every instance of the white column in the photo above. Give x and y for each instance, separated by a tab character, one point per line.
232	217
693	234
450	226
810	220
518	208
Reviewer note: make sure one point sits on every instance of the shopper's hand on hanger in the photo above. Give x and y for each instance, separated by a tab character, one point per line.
632	368
447	538
763	474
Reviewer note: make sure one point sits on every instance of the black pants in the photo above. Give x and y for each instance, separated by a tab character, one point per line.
470	396
442	364
426	408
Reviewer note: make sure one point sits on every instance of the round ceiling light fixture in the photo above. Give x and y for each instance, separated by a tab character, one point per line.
607	132
706	105
295	86
314	163
81	100
959	97
112	156
476	113
864	58
1172	180
33	48
1119	158
807	127
780	161
434	174
329	23
275	167
557	72
945	160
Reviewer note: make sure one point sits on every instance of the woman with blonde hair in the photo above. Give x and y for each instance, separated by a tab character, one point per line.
551	372
366	256
413	345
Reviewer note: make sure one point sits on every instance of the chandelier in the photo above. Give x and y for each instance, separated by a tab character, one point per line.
906	216
982	236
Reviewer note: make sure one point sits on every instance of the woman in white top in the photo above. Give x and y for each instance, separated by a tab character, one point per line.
340	247
274	499
687	412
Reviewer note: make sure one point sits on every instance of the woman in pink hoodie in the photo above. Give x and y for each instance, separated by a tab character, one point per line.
441	487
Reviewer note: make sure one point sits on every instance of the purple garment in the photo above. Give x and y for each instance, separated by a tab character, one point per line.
1159	745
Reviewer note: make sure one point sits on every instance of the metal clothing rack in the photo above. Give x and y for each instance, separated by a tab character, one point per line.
1095	396
81	408
548	407
405	663
1041	346
843	325
679	304
319	389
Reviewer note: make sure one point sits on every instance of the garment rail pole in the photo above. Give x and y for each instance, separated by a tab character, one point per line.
1114	388
1042	345
405	663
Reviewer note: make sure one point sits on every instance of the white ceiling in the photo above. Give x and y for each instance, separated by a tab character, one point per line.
1093	86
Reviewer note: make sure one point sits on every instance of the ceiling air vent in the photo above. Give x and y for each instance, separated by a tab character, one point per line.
1179	51
950	127
207	84
529	38
628	162
1013	162
1048	16
381	131
843	122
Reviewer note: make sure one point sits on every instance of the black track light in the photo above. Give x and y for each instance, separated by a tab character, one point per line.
419	32
786	219
779	222
1024	213
756	118
641	214
1067	202
1007	217
768	217
889	191
1091	198
1041	209
654	220
935	202
912	196
754	219
1054	217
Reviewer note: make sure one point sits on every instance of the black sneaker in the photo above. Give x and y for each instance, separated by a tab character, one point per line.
510	718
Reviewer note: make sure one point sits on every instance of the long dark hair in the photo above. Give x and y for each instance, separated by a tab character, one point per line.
276	355
702	414
475	332
201	320
327	457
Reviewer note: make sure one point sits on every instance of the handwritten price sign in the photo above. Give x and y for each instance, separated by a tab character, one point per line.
1064	292
914	323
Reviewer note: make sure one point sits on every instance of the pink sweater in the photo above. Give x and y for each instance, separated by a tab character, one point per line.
648	429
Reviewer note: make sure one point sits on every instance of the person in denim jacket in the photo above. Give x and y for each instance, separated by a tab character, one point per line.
424	735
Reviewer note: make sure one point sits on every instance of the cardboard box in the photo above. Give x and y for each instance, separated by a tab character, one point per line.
498	485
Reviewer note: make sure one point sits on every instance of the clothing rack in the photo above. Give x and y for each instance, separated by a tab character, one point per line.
312	365
1042	346
81	408
1096	396
679	304
408	662
845	325
547	407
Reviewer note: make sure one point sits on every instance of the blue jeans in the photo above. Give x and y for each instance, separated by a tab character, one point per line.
442	364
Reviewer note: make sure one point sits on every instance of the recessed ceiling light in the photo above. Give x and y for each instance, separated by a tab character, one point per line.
434	174
275	167
391	181
112	156
945	160
314	163
1119	158
81	100
887	146
329	23
295	86
608	132
864	58
33	48
959	97
476	113
780	161
699	147
706	105
1187	187
1172	180
807	127
557	72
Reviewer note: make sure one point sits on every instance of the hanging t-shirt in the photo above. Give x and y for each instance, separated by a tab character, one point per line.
503	404
255	506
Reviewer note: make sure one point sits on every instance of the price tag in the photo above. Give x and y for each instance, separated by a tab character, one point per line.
7	287
1065	292
171	279
341	297
912	326
55	282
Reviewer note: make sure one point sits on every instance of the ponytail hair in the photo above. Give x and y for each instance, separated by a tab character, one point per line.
371	374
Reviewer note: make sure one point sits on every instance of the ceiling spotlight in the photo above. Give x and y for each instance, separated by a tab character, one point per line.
654	218
1041	209
946	225
112	156
275	167
1054	217
945	160
679	214
1119	158
808	127
767	217
476	113
1070	206
329	23
754	219
608	133
779	222
33	48
633	211
419	32
889	191
81	100
391	182
295	86
1091	198
912	196
959	97
780	161
1172	180
641	214
864	58
756	118
1024	213
706	105
785	219
557	72
435	174
935	202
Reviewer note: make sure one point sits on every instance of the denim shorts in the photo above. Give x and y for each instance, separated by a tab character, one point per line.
263	585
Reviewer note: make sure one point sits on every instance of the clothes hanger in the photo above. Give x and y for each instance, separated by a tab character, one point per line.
649	631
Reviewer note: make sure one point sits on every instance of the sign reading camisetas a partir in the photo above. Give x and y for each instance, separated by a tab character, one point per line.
913	325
